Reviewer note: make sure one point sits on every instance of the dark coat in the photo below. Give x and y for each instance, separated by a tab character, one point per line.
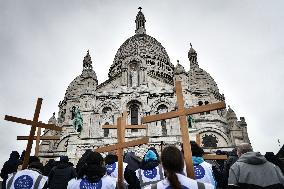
48	167
129	172
275	160
60	175
10	166
232	158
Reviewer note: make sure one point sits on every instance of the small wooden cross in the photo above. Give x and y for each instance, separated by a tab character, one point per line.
38	138
121	144
34	123
181	113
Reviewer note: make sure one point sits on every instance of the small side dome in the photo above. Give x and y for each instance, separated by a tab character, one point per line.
52	120
200	80
231	114
85	83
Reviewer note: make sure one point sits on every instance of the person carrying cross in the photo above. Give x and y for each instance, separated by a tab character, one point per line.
150	171
202	170
173	165
28	178
111	164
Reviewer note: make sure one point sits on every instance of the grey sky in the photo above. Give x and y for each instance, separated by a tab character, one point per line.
240	43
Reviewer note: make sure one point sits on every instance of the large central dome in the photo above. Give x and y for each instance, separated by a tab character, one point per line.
146	48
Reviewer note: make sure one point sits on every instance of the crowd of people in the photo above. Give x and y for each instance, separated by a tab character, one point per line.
243	169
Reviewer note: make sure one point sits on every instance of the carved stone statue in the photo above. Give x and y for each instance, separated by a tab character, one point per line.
78	120
190	121
133	75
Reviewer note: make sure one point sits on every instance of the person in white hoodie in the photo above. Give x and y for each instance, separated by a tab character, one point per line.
173	164
28	178
92	174
111	164
203	171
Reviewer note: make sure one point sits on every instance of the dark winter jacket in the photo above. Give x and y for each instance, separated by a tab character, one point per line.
253	171
60	175
275	160
48	167
10	166
129	172
132	161
232	158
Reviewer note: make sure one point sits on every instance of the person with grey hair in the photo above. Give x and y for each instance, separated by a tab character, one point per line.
252	171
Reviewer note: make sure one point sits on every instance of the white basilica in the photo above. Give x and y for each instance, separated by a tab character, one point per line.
141	81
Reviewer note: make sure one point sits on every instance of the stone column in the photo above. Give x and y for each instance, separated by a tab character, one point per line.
142	75
124	76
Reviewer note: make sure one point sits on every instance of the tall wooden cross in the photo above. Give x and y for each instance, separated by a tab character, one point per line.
121	144
38	138
181	113
34	124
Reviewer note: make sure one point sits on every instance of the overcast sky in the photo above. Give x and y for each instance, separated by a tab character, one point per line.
240	43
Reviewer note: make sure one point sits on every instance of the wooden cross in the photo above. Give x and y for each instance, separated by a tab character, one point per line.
34	123
121	144
38	138
181	113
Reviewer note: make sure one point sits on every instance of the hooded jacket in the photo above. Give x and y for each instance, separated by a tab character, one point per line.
129	173
253	171
60	175
10	166
203	171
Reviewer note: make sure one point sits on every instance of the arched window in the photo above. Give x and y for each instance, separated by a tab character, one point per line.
209	140
73	111
106	131
134	111
162	108
106	110
134	114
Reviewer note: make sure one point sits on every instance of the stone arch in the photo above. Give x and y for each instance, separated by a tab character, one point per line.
128	60
106	131
133	74
133	71
106	109
105	104
61	145
157	103
223	138
134	117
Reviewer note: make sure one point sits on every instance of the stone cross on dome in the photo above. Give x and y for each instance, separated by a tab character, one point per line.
140	8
